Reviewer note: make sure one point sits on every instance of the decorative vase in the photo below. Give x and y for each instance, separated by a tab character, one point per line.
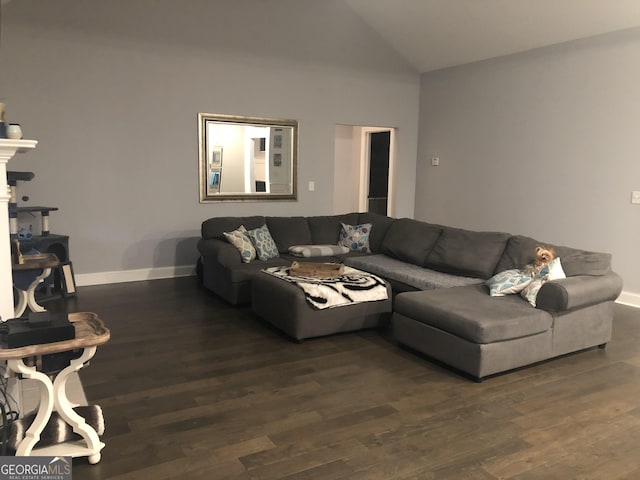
14	131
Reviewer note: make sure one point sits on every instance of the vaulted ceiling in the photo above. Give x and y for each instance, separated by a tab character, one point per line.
434	34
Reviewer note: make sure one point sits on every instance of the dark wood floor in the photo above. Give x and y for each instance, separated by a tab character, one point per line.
194	388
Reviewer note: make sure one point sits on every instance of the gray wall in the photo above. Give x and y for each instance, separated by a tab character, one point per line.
543	143
112	90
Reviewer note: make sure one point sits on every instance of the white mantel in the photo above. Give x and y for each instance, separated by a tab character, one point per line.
8	148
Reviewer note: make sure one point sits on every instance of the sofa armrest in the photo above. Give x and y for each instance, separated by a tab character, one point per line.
220	251
578	291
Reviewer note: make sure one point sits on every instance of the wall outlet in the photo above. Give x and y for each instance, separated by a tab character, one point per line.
435	161
635	198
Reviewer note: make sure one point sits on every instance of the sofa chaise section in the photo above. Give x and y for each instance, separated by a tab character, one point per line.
481	335
469	330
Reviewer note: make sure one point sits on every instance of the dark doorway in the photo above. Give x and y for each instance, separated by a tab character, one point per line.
379	172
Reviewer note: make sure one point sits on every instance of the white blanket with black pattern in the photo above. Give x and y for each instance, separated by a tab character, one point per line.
353	286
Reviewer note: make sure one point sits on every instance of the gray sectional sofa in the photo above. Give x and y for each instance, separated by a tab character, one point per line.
442	307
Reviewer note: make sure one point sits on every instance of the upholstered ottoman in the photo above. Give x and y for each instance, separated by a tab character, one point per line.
471	331
283	304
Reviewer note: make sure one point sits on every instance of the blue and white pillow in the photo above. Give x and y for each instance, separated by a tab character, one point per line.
355	237
508	282
263	241
239	239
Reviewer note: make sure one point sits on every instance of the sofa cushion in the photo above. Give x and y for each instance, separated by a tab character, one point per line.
407	273
262	240
326	229
465	252
342	257
215	227
240	239
586	263
289	231
410	240
470	313
355	237
380	224
520	252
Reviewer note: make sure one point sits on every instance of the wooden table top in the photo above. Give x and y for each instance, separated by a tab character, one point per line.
90	332
37	261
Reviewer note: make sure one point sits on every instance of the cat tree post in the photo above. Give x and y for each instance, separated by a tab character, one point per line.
8	148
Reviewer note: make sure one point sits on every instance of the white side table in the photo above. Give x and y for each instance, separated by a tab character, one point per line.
90	333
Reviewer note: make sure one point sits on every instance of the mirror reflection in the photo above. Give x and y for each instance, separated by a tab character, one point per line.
246	158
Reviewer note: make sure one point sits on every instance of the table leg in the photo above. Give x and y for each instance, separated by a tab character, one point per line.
28	297
54	394
65	408
32	436
22	303
31	291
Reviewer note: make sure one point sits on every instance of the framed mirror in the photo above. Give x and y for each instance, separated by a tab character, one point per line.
246	158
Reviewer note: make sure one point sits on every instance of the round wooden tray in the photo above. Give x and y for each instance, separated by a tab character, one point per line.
90	332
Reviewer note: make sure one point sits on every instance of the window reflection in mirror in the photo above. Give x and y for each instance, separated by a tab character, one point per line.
246	158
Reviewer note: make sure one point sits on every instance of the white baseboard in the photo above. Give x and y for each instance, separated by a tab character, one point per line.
102	278
629	298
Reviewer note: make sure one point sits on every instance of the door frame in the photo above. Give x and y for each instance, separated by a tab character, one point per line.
365	161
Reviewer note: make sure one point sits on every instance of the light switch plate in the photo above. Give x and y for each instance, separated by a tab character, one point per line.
635	198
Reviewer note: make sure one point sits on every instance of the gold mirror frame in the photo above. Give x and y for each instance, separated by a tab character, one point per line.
219	162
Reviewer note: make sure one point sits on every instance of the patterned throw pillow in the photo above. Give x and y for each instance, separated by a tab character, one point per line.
263	241
507	282
239	239
355	237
